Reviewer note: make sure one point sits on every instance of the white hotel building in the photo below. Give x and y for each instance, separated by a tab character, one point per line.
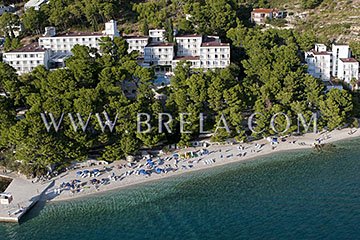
52	50
201	51
336	63
27	58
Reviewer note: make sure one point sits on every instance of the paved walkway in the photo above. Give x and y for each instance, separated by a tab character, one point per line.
25	195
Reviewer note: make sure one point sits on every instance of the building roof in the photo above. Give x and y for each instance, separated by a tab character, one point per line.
348	60
214	44
262	10
161	44
187	58
188	35
135	37
319	53
33	47
340	44
83	34
33	3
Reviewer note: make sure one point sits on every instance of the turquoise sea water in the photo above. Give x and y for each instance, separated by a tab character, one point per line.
291	195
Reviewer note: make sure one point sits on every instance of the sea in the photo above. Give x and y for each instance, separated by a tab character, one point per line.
289	195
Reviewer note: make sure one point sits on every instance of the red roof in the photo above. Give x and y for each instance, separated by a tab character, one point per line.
159	45
348	60
32	47
215	44
188	35
262	10
79	34
320	53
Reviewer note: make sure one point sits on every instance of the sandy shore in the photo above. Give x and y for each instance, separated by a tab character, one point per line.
222	154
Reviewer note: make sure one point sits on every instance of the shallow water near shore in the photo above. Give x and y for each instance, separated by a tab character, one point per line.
289	195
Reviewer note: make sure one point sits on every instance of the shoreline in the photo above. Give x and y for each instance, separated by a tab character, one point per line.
307	141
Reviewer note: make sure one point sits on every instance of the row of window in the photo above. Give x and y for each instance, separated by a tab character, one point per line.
158	50
144	42
25	62
68	40
188	46
186	40
67	46
158	56
216	56
203	50
22	56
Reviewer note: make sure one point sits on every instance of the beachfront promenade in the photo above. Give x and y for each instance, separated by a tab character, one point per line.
25	195
93	179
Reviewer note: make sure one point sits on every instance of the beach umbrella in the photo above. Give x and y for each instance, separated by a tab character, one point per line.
86	171
158	170
176	155
79	173
67	185
77	181
96	170
149	160
151	163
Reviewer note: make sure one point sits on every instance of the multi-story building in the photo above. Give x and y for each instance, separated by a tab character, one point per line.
260	15
202	51
319	62
188	45
194	61
156	35
58	47
336	63
348	69
137	43
214	54
27	58
159	53
63	43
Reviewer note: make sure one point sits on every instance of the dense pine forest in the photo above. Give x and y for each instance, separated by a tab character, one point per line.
267	75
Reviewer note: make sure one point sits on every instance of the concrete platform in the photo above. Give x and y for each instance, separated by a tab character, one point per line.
25	195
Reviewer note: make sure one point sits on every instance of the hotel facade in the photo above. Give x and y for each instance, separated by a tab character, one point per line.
52	49
328	65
